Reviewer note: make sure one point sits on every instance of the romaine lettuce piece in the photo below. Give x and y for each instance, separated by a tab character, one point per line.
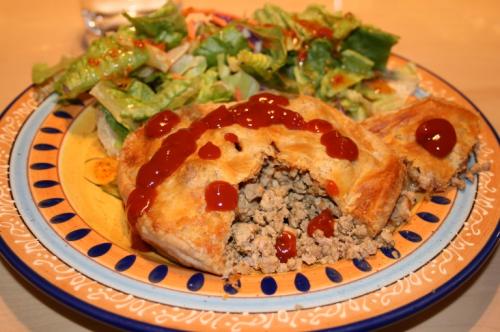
41	72
165	25
212	89
337	80
141	91
357	63
105	58
341	25
164	60
265	65
242	84
122	105
118	129
275	15
372	43
319	60
227	41
136	103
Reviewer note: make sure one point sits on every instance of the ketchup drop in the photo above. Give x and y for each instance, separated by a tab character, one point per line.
436	136
331	188
221	196
338	146
286	246
323	222
230	137
160	124
319	126
209	151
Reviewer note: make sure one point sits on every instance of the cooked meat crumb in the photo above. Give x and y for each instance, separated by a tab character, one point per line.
283	198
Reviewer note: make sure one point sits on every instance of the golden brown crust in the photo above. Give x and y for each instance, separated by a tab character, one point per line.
397	129
177	223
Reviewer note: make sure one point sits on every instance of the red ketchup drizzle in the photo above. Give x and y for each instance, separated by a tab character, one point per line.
221	196
323	222
436	136
338	146
160	124
261	110
209	151
319	126
286	246
331	188
230	137
316	29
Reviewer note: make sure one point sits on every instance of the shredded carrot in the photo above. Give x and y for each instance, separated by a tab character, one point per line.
218	21
190	10
191	29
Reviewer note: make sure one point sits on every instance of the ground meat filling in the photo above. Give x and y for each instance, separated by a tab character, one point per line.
286	199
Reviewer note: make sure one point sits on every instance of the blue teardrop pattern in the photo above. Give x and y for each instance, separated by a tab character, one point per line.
45	184
125	263
63	217
50	130
99	249
41	166
63	114
158	273
268	285
427	216
49	202
44	147
232	289
333	274
196	281
410	236
362	265
391	252
302	283
440	200
77	234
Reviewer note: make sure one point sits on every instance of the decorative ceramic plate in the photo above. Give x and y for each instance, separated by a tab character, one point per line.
67	236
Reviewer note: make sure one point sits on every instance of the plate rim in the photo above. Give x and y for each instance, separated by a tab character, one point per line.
393	316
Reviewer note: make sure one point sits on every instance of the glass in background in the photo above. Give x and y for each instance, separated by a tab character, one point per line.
100	16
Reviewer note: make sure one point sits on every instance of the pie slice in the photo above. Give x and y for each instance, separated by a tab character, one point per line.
189	215
434	137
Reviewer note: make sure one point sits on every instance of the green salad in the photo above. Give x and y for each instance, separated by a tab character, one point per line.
174	57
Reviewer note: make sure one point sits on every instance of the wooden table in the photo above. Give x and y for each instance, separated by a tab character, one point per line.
459	40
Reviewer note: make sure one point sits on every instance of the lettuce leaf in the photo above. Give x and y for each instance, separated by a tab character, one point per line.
265	65
271	14
104	58
341	25
227	41
372	43
138	102
242	84
354	62
165	25
41	72
337	80
213	90
120	131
